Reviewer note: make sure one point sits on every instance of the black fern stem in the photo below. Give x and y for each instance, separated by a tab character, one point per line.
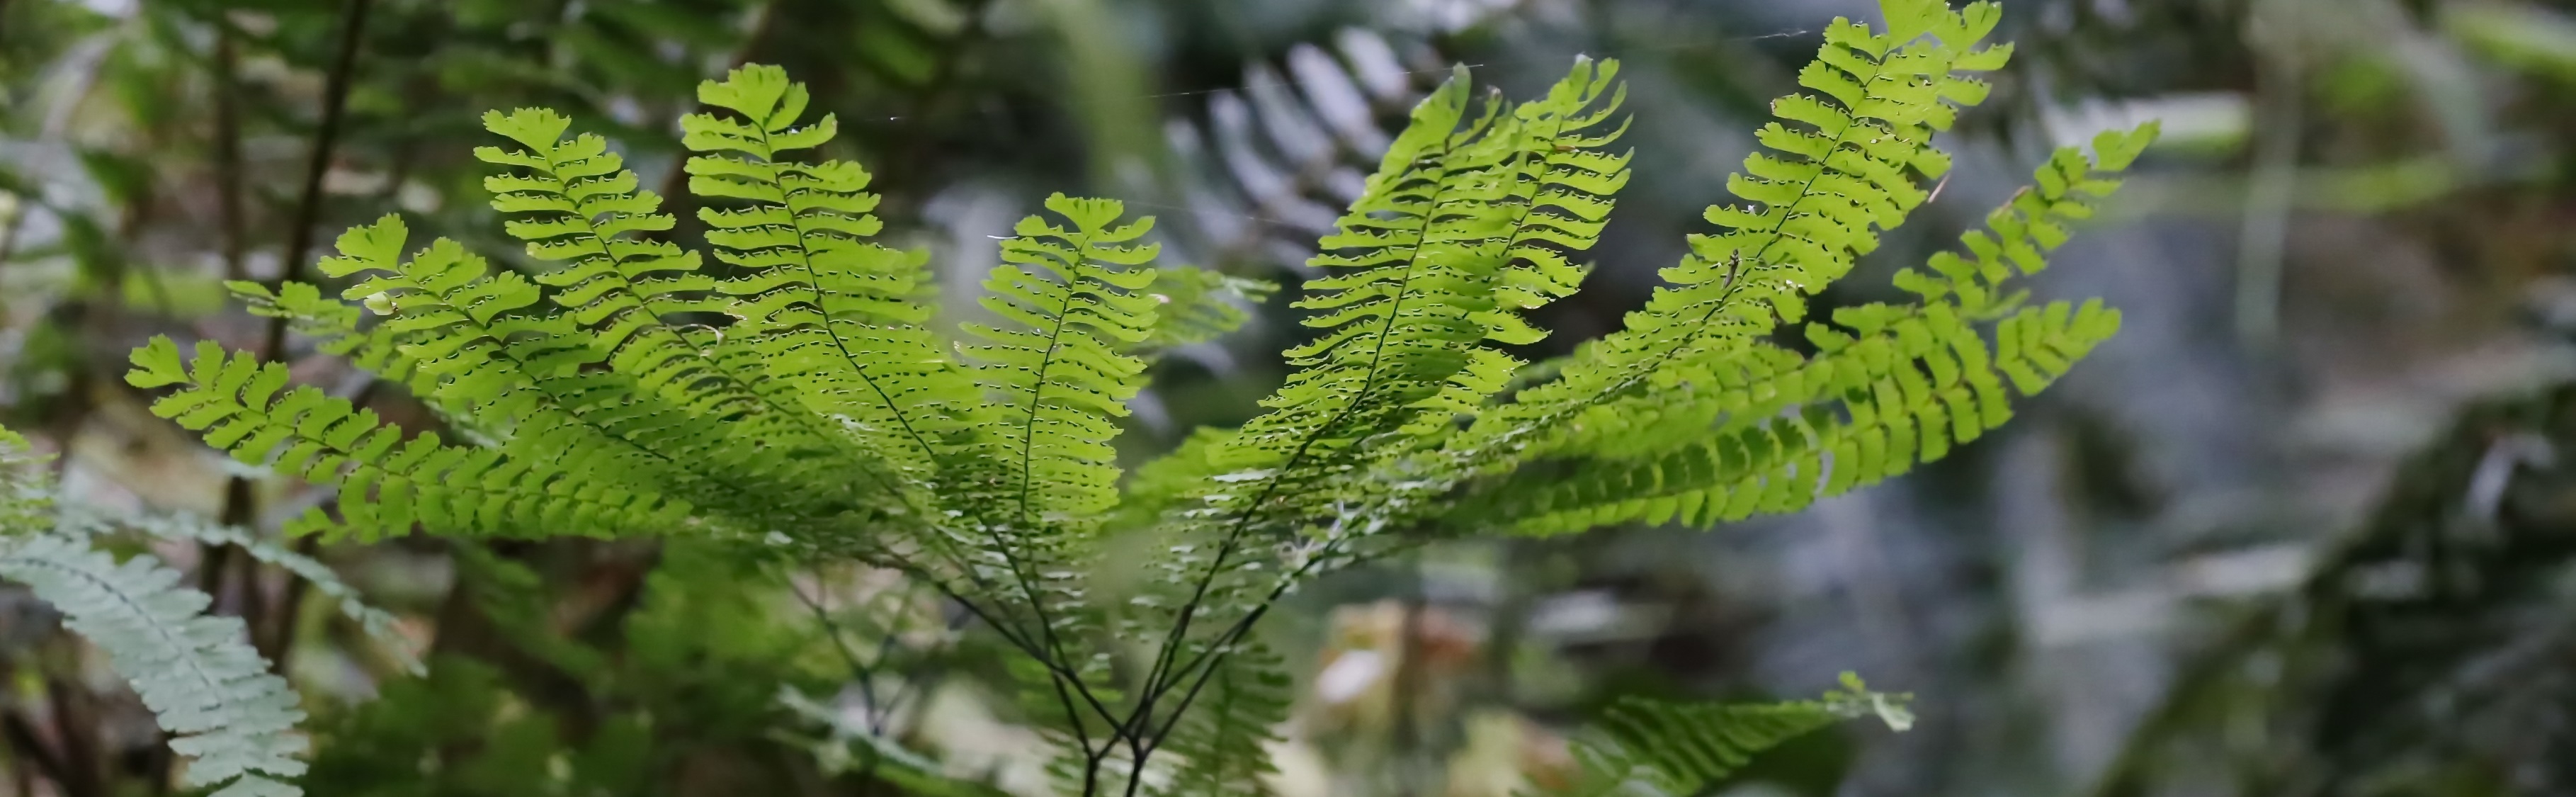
240	505
216	559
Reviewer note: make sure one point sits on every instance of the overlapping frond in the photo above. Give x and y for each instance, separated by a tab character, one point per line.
1890	385
1198	305
828	310
579	207
1650	747
388	483
499	348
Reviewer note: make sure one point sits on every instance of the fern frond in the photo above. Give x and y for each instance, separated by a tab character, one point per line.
1198	306
537	483
578	206
205	684
377	623
495	347
1890	386
1469	220
1680	749
195	671
1041	477
1847	170
831	312
1069	298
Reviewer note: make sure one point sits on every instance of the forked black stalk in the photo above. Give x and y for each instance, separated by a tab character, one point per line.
1161	677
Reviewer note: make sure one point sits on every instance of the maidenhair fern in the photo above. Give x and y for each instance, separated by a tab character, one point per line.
195	671
786	386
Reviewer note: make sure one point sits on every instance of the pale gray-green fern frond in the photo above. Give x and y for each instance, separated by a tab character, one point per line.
196	672
84	520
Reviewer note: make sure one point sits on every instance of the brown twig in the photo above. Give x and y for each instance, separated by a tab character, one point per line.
215	560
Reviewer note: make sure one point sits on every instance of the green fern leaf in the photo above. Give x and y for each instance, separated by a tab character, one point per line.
578	206
1468	221
1070	298
494	348
828	310
539	483
1846	171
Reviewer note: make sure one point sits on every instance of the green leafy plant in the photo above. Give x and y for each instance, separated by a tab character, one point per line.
793	395
196	672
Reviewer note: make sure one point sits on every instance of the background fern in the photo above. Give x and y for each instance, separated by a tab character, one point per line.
233	718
